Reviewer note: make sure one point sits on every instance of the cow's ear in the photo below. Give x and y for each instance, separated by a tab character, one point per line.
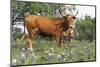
64	17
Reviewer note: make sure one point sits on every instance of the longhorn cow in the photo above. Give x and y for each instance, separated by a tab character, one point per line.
45	26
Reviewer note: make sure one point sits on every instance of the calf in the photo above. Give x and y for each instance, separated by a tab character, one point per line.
67	36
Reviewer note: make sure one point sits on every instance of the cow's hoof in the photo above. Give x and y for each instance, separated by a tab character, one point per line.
29	50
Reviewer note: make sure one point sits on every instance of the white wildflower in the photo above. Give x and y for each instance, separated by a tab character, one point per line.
14	62
60	58
22	58
23	49
72	51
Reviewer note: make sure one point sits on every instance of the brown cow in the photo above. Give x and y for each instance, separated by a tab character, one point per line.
47	26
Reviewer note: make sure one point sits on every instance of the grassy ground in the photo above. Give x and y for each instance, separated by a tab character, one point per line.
48	52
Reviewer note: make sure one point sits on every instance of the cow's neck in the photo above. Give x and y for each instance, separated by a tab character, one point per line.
64	26
61	23
57	20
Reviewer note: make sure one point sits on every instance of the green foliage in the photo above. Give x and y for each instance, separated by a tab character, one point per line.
20	9
85	28
18	35
44	9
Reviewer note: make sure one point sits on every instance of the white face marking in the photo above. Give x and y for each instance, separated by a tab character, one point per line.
70	16
71	31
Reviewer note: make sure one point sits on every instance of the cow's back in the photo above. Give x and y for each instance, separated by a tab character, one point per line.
44	24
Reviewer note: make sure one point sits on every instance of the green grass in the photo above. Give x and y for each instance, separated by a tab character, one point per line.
42	47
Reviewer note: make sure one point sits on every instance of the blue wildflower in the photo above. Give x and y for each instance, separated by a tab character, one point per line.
50	56
85	50
61	57
32	58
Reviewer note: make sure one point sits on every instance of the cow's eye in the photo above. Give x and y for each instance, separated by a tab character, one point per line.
74	17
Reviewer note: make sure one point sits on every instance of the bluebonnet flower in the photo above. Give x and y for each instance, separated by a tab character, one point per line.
14	62
85	50
61	57
32	58
22	58
50	56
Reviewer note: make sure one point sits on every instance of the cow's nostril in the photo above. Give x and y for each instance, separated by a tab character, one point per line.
74	17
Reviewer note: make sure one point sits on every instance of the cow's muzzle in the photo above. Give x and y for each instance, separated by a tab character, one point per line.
74	17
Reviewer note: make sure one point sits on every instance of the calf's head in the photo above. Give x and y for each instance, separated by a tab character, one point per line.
69	32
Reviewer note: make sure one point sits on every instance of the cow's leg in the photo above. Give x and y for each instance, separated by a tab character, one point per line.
58	39
63	43
29	41
69	40
30	36
63	40
32	33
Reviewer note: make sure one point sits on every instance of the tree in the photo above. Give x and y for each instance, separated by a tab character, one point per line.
19	9
86	28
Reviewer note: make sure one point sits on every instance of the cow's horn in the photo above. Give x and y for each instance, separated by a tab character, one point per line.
62	14
76	13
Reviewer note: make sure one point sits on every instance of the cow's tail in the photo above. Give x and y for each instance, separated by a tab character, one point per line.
23	34
24	25
25	15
